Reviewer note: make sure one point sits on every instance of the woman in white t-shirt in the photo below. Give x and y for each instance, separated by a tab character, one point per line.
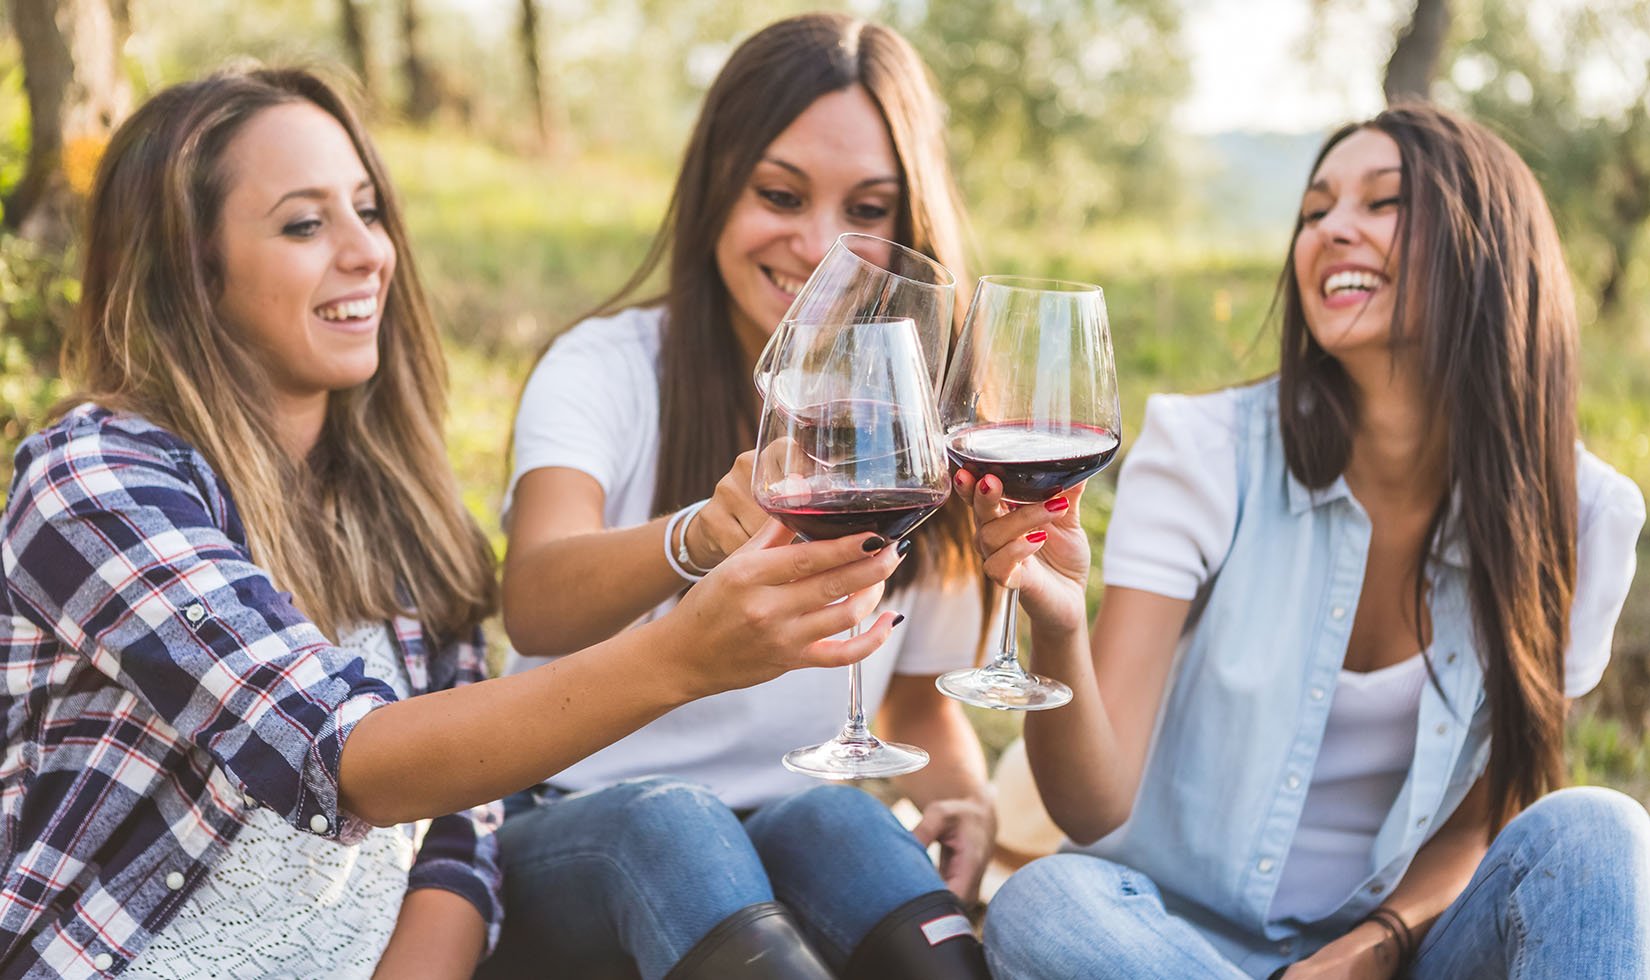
686	847
1321	717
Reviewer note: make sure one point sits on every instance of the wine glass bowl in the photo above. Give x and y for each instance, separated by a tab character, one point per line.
1031	401
849	442
863	277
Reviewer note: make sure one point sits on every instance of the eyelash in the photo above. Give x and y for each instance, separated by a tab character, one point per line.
307	227
1310	217
787	201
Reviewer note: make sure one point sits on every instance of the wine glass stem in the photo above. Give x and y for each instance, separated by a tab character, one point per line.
1008	654
855	730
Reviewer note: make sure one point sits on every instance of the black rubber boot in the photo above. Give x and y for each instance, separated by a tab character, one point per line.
758	941
927	938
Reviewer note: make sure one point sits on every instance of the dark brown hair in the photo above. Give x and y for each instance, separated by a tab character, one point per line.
370	525
769	80
1480	265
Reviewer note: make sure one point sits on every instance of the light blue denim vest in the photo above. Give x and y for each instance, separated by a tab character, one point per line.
1238	733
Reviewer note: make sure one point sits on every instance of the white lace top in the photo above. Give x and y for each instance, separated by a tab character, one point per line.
283	903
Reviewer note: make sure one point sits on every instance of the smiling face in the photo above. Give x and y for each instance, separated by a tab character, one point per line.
1346	252
833	170
305	263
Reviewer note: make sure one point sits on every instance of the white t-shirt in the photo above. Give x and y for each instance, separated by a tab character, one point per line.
592	405
1183	468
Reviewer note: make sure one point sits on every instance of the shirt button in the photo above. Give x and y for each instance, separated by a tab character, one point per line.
195	613
174	881
318	824
1421	822
1377	888
1264	866
1287	947
102	961
1317	693
1449	658
1293	782
251	804
1442	729
1339	612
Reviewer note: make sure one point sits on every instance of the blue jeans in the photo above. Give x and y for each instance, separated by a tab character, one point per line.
1564	891
624	880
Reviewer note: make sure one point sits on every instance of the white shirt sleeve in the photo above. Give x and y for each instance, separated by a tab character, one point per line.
944	623
1176	507
586	403
1610	513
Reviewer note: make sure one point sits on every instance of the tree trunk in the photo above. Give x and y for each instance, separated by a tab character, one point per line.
535	72
76	95
1629	204
423	95
1414	61
355	45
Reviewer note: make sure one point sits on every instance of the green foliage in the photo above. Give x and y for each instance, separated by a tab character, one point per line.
1061	108
37	295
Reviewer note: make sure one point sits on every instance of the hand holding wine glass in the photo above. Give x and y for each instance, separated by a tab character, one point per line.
849	442
1040	551
1030	408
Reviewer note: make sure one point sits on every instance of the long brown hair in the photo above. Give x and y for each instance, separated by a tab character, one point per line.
1480	263
370	525
769	80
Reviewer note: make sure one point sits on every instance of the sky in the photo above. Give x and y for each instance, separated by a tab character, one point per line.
1249	73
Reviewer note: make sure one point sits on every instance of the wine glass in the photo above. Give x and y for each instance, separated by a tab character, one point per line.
863	277
1031	399
851	443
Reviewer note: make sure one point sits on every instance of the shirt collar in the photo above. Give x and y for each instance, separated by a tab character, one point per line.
1451	548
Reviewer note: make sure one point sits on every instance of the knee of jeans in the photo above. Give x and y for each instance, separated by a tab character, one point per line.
1590	826
1045	891
658	813
823	813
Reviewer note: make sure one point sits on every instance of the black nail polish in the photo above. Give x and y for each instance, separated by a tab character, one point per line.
874	544
898	620
904	547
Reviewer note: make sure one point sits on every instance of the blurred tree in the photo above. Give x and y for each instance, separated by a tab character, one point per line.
530	47
1061	108
1571	93
423	94
1414	63
76	94
356	46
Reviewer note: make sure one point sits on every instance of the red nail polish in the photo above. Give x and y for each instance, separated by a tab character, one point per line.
957	478
1057	505
1037	537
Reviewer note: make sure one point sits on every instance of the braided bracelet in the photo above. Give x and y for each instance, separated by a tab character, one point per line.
679	562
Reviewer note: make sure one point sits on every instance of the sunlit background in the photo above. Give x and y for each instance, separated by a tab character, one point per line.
1154	146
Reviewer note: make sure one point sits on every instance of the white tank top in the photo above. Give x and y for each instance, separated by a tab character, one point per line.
1368	748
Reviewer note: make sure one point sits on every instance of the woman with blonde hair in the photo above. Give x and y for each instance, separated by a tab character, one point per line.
241	601
686	849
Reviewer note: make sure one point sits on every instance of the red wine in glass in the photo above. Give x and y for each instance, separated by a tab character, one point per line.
892	513
1033	461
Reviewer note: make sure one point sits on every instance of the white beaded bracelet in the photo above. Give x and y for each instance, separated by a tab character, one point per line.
679	561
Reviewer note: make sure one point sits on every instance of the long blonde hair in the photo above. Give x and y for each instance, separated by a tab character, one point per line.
370	524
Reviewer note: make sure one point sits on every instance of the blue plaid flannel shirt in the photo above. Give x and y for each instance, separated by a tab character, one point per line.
157	687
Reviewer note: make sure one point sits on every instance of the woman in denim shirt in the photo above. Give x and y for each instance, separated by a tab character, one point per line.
1322	721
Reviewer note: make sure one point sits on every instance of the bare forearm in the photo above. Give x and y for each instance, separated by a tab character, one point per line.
451	750
566	594
438	934
1073	750
956	765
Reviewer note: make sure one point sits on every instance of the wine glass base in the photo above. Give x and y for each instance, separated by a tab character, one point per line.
1004	689
871	758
